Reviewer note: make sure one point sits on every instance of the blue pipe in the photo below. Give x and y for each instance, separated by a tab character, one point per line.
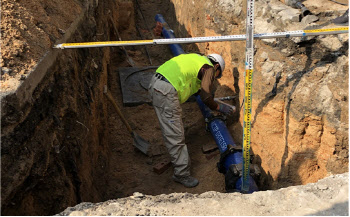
215	125
176	49
222	137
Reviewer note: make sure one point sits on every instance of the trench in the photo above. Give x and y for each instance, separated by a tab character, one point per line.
66	144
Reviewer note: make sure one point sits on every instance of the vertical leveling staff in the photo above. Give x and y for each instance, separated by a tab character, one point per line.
248	79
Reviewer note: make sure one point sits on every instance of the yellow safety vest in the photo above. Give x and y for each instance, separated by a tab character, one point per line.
182	71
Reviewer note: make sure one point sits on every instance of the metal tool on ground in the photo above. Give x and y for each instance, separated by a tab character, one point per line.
225	98
128	58
221	102
140	143
298	33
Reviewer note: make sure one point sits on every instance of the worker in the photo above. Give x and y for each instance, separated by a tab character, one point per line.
174	82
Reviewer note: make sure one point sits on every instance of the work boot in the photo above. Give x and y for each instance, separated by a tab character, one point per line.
342	20
187	181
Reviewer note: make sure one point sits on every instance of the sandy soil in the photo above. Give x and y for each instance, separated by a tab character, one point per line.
29	28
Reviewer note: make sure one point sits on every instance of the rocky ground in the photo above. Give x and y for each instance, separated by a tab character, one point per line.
327	197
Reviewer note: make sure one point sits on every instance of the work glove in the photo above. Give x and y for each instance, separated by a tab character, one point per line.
226	109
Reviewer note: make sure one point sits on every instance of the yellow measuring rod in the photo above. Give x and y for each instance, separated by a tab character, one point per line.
248	83
299	33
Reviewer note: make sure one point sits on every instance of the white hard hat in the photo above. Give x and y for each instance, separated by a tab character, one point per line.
217	58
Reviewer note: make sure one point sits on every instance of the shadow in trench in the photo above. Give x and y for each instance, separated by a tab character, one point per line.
291	170
300	74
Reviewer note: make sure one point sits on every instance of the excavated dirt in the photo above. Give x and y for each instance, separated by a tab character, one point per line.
68	145
29	29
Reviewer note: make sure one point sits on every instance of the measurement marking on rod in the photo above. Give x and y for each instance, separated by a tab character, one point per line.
248	79
298	33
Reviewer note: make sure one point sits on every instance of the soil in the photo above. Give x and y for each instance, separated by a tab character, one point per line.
131	170
29	29
95	158
134	171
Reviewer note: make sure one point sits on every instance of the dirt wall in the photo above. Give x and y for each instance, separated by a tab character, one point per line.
300	134
54	149
61	146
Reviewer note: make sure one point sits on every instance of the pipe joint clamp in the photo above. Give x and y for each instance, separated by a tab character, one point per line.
212	118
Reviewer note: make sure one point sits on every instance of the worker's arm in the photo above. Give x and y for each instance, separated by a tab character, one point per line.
207	83
207	75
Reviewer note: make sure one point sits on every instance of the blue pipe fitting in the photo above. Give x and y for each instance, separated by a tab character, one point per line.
222	137
216	125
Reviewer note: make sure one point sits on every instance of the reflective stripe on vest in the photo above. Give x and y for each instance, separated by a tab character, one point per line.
182	71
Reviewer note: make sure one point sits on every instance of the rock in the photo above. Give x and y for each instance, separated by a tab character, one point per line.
270	68
289	15
344	153
61	31
77	213
6	70
331	42
287	52
322	187
277	7
309	19
265	11
232	6
343	38
262	26
137	195
324	97
264	56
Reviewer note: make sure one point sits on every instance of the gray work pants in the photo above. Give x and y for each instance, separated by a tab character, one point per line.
167	107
